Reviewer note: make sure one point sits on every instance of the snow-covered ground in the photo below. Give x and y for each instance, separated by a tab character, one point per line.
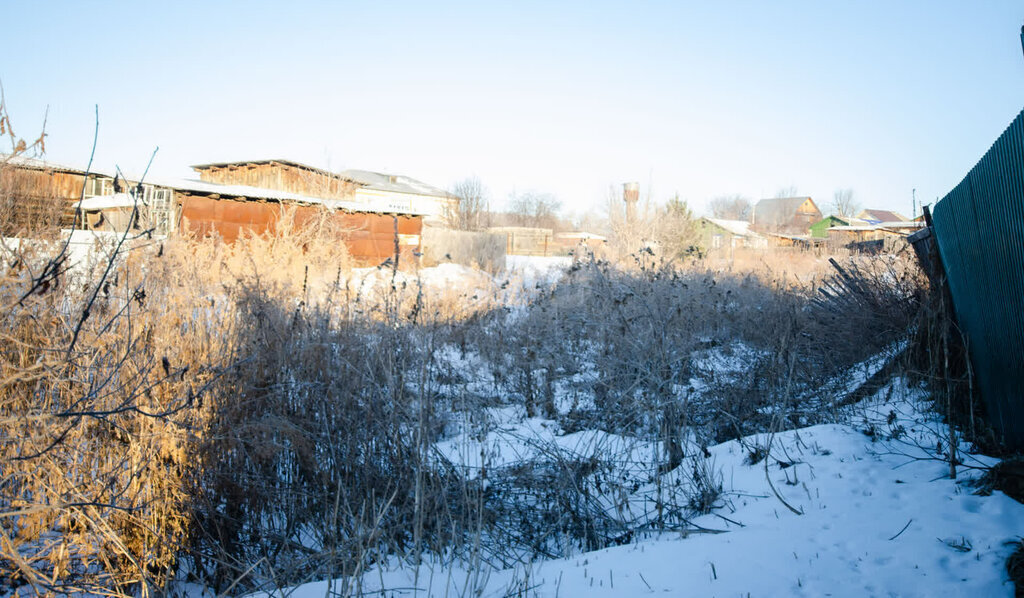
862	507
537	269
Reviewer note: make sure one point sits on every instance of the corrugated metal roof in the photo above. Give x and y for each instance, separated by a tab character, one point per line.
208	188
881	226
246	191
875	216
41	164
395	183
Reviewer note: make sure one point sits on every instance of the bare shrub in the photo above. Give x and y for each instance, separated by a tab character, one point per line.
478	249
95	401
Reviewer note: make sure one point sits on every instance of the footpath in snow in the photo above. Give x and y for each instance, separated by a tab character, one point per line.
862	508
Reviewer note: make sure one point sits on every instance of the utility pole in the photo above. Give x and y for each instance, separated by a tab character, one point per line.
913	203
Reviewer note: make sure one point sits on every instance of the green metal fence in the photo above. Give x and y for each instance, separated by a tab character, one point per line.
979	227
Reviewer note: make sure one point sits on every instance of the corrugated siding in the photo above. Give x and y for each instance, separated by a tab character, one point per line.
979	227
370	237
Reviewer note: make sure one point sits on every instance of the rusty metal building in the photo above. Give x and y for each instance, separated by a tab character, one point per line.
228	201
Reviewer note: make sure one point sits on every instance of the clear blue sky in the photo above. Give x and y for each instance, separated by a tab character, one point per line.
702	99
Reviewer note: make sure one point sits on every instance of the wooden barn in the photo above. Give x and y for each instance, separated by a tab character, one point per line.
785	215
280	175
230	211
716	233
41	199
233	198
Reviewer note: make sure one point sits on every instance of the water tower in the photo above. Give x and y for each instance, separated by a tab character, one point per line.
630	195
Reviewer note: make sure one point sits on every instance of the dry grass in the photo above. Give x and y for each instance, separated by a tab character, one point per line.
259	414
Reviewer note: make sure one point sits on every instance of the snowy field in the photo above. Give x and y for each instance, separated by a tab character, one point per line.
859	508
573	428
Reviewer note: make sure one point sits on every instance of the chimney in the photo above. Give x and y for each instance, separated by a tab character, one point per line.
630	195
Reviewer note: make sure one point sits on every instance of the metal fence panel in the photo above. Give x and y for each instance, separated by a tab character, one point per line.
979	227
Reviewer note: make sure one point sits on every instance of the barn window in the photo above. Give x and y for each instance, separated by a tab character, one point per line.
98	186
160	204
716	241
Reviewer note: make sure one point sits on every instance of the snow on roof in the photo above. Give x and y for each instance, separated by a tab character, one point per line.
42	164
879	226
204	187
740	228
105	202
846	220
395	183
247	191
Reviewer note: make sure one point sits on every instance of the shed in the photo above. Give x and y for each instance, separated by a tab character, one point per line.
401	192
43	197
280	175
524	240
231	211
718	233
787	215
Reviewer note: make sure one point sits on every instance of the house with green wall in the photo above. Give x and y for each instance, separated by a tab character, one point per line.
819	230
717	233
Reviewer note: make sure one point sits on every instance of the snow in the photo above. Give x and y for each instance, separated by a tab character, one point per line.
455	276
103	202
737	227
861	507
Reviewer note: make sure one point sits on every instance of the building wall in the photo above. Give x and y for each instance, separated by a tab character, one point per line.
712	236
521	240
370	237
806	215
820	228
433	208
37	201
281	177
843	237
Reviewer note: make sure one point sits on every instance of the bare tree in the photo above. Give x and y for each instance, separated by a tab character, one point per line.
628	235
471	210
590	221
731	207
843	203
535	209
788	191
